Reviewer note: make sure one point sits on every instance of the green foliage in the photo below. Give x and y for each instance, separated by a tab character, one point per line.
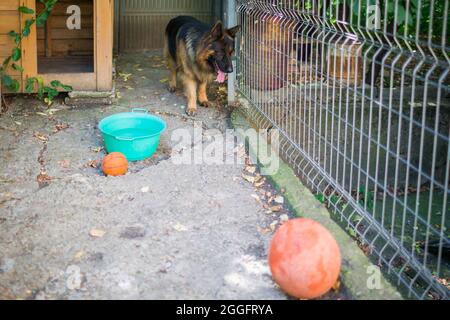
352	232
26	10
407	17
321	197
47	93
366	198
334	200
27	27
17	67
16	54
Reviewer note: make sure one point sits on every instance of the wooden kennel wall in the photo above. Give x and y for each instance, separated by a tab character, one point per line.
82	58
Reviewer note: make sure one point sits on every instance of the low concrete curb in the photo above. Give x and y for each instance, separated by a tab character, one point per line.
90	98
356	265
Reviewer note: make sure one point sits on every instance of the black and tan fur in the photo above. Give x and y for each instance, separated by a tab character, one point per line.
196	53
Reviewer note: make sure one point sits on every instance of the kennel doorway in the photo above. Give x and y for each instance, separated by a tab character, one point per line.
80	57
65	43
140	24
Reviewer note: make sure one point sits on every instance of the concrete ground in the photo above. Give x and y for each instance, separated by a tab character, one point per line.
163	231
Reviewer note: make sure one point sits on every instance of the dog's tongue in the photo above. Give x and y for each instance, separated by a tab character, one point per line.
220	76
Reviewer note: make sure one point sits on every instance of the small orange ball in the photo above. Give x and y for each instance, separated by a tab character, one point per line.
305	259
115	164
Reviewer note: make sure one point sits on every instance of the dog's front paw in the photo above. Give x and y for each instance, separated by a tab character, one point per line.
192	112
207	104
171	89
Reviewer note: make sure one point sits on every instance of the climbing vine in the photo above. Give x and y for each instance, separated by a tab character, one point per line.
46	92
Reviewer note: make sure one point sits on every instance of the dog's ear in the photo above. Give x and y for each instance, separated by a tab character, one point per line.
233	31
217	30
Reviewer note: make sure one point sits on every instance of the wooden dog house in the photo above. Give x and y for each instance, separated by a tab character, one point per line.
79	55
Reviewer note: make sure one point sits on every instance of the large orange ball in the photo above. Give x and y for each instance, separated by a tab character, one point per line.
115	164
305	259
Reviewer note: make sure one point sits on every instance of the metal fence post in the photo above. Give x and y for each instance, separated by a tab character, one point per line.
230	21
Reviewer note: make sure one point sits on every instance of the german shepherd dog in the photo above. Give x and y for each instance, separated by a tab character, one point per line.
199	54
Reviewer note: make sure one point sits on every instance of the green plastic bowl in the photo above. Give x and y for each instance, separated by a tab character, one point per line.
135	134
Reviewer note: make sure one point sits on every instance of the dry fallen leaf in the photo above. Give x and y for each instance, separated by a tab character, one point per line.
180	228
265	230
60	127
43	178
276	208
259	184
125	76
97	233
79	255
6	197
256	197
273	225
259	178
250	169
52	111
337	286
93	164
97	149
41	137
248	178
65	164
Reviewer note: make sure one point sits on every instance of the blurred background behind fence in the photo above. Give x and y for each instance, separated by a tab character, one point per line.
359	90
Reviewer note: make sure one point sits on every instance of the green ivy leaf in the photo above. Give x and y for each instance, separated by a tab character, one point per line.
6	80
27	27
26	10
321	198
352	232
10	83
58	84
29	85
67	88
17	67
15	86
49	4
18	39
26	32
16	54
42	18
40	81
55	83
51	93
12	34
40	92
6	62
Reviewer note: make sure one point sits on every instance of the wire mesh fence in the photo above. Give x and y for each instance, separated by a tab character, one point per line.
359	91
